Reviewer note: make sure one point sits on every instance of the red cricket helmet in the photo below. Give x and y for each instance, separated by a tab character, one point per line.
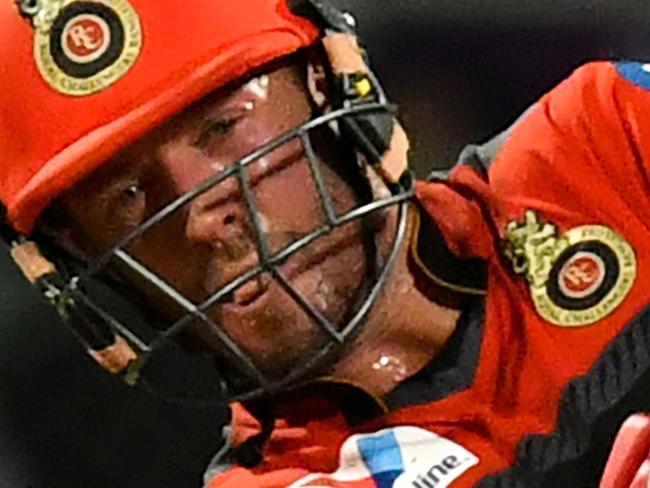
81	79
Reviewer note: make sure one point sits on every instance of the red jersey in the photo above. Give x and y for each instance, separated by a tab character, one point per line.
557	351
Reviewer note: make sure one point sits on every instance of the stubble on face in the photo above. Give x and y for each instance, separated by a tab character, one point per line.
211	241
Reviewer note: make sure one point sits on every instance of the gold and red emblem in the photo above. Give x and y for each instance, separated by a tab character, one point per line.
581	275
576	278
83	46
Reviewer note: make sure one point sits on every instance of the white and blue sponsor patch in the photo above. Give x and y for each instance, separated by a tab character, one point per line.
636	72
401	457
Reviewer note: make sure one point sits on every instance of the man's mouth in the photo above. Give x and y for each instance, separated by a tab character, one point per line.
254	294
252	290
255	291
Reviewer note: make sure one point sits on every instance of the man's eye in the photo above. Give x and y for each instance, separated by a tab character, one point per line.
216	129
131	192
131	206
132	197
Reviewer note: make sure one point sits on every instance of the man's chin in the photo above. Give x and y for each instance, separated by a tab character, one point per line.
273	328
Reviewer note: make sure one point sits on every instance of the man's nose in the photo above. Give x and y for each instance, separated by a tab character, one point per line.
211	219
216	216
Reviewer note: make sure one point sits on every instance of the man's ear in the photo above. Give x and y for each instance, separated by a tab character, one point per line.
317	80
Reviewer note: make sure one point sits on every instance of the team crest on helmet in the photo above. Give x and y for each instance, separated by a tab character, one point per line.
83	46
576	278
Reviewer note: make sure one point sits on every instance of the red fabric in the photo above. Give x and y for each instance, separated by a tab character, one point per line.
49	141
240	478
579	158
310	429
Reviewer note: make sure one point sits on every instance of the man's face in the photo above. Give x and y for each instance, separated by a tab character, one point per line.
211	241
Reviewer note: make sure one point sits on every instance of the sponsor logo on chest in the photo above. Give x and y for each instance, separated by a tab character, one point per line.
401	457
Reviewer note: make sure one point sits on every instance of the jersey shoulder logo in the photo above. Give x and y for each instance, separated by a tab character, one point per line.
83	46
576	278
400	457
636	72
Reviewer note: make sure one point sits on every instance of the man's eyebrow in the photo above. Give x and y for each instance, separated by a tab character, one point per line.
126	163
221	102
225	103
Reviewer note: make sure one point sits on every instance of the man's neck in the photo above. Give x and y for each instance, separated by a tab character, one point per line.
405	331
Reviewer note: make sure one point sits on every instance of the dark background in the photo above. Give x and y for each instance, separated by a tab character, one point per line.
461	70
